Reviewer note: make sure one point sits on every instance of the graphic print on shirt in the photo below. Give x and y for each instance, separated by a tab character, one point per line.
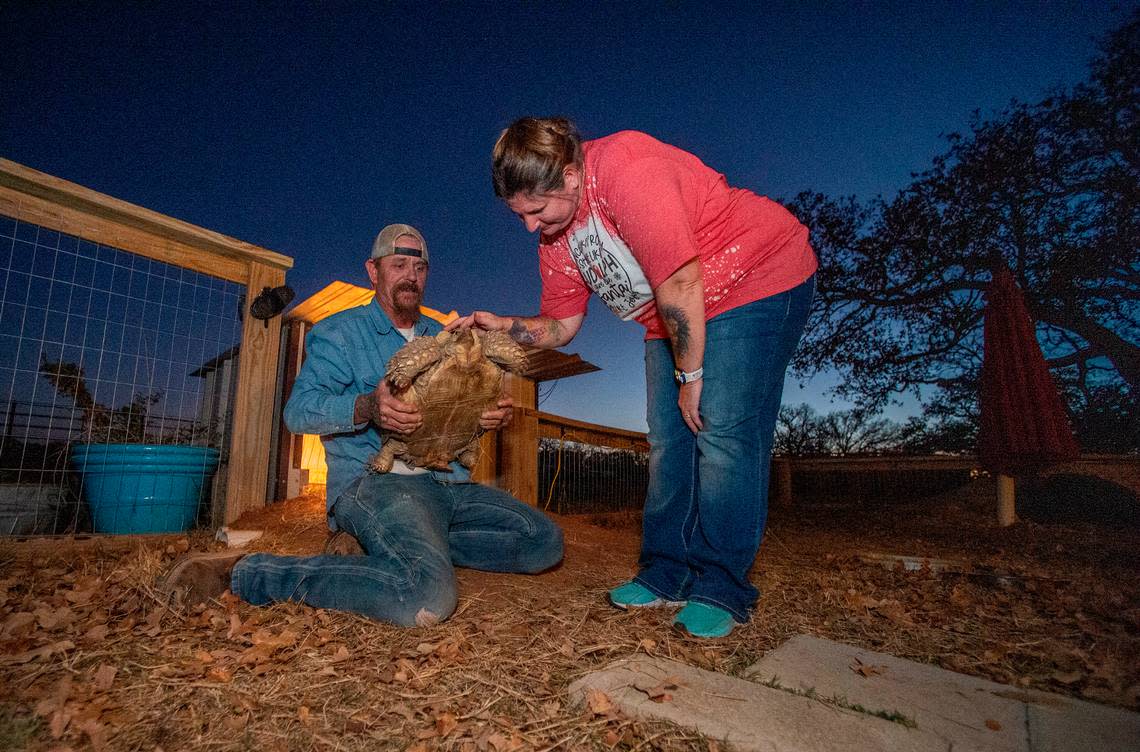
609	269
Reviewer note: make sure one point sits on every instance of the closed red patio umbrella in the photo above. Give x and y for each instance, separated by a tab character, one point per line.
1023	427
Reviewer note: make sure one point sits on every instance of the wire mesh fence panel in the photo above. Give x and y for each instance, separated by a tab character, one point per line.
869	487
117	378
580	478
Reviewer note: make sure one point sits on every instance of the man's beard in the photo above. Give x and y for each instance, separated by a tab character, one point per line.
410	310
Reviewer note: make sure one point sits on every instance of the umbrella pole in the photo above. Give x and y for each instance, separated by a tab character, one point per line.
1006	494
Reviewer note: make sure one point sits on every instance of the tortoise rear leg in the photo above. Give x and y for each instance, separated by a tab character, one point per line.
383	460
469	455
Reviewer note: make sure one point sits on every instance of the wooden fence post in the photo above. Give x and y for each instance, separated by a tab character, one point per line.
783	467
519	456
518	443
247	476
1006	498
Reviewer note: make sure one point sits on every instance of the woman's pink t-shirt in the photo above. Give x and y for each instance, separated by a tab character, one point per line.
649	208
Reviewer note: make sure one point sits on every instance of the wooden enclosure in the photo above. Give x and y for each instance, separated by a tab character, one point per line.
38	198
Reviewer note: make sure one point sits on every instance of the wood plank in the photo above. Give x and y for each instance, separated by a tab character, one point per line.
43	212
68	195
294	343
1006	501
522	390
546	365
248	472
558	420
334	297
869	464
560	432
555	426
519	455
782	470
517	467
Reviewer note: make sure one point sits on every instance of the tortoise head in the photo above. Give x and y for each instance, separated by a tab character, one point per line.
466	348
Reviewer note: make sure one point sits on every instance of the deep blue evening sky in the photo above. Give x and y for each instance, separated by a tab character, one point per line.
306	129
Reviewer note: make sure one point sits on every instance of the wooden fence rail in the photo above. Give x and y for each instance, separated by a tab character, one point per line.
35	197
518	470
552	426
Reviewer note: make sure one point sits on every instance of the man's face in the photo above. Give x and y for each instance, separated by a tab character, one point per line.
399	280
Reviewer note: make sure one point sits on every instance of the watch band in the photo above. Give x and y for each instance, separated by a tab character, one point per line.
684	377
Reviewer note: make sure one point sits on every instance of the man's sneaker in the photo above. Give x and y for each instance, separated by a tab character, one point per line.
341	543
197	578
632	595
703	620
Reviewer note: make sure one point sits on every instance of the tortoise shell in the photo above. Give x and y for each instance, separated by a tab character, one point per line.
453	378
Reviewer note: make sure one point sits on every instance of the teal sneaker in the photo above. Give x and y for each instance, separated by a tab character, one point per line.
703	620
632	595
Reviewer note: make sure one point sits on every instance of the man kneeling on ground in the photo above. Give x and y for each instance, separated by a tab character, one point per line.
414	525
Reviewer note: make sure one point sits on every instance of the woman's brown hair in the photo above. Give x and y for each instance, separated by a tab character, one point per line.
530	155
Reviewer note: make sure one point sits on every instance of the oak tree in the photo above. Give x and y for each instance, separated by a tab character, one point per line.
1053	190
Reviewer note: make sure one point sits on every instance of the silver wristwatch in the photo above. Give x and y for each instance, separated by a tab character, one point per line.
684	377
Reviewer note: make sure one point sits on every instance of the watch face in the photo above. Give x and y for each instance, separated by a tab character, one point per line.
685	378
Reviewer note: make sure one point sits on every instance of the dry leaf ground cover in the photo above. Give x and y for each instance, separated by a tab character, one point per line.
90	659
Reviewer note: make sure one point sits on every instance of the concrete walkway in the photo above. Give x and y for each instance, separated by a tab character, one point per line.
813	695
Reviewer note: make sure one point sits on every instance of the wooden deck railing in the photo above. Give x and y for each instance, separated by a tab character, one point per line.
552	426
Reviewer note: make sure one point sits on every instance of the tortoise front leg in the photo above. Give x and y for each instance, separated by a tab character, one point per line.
386	457
500	348
412	359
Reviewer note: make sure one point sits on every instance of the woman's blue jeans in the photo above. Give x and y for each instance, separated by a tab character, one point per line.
414	530
707	500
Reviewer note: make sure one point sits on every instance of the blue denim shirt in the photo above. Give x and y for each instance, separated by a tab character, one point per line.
346	355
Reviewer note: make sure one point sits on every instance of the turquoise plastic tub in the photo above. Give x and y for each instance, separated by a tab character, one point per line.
144	488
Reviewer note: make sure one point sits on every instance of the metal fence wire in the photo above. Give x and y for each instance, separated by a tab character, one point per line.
867	488
108	356
579	478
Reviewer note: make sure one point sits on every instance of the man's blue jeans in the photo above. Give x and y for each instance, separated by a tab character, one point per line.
414	529
707	500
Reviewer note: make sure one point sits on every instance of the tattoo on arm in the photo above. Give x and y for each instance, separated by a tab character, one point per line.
677	324
520	333
539	330
366	409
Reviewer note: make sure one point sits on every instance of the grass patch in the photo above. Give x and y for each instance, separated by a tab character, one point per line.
17	731
839	701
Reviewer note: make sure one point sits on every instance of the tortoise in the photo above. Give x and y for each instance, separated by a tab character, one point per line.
453	378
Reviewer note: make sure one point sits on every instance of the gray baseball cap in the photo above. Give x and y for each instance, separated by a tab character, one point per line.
385	243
